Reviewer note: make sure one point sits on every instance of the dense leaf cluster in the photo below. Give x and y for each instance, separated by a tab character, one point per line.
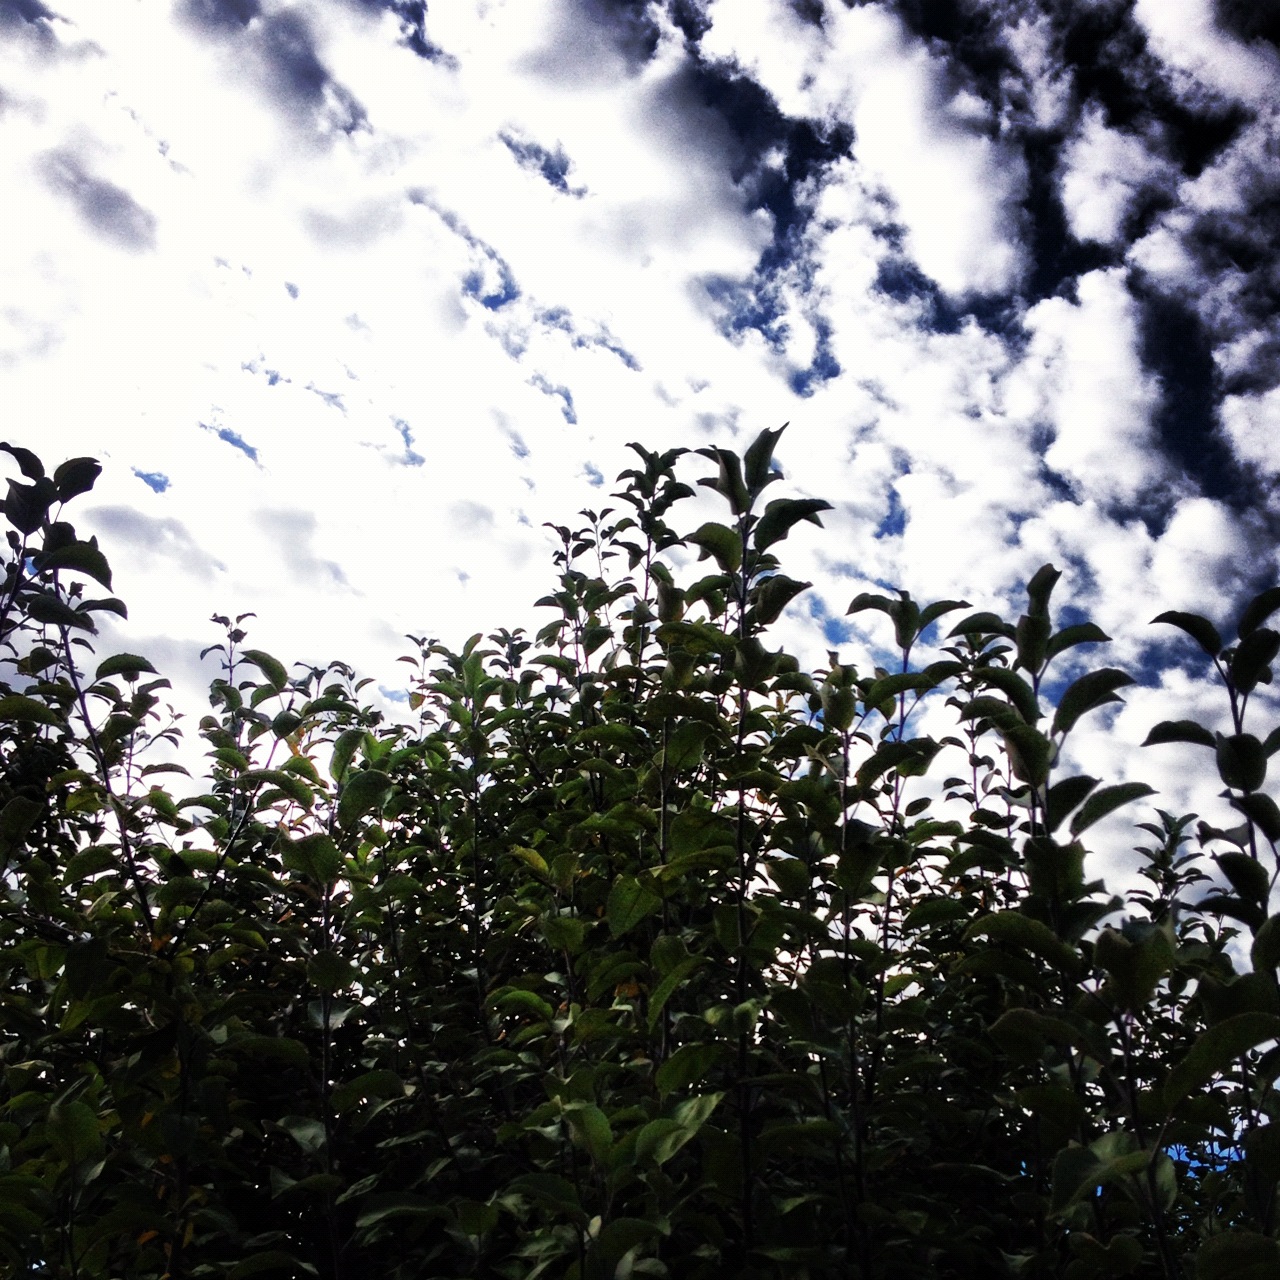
643	952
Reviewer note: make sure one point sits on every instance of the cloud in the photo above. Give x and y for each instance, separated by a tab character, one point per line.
552	166
152	539
110	210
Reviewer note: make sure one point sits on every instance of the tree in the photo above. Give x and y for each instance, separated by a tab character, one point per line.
642	952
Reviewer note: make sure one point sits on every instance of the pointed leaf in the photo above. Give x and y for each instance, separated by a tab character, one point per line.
128	665
1090	691
1180	731
1064	796
1262	811
720	541
1201	630
757	462
316	856
30	465
1258	610
1069	637
1251	662
76	476
270	667
1214	1052
15	706
1014	687
782	515
1040	588
630	904
1242	762
1106	801
363	791
984	623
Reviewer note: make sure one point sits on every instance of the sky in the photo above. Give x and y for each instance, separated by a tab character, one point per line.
351	296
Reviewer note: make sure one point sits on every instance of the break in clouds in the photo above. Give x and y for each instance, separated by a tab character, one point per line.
352	295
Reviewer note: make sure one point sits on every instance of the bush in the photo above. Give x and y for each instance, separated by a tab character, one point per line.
644	952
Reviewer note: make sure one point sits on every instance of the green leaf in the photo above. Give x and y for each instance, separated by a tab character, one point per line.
1265	952
73	1132
782	515
1014	687
1242	761
729	482
329	971
531	858
1033	935
16	819
771	595
28	463
1257	611
16	706
687	1066
1262	811
1069	637
1201	630
590	1129
46	607
720	541
630	904
758	460
274	670
315	856
270	1260
1251	662
664	990
1040	588
1090	691
363	791
1238	1255
983	623
660	1139
76	476
1180	731
1064	796
83	556
1248	877
1214	1052
128	665
1106	801
294	787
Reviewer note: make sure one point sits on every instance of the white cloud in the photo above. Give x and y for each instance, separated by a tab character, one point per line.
1104	170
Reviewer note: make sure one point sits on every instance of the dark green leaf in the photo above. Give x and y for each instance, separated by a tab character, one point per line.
1040	588
720	541
772	595
1257	611
1180	731
76	476
630	904
315	856
16	706
1106	801
687	1066
1201	630
83	556
1215	1050
128	665
982	624
1069	637
782	515
1248	878
1238	1255
274	670
1262	811
1090	691
758	460
1251	663
1014	687
1064	796
364	791
28	463
47	607
1242	762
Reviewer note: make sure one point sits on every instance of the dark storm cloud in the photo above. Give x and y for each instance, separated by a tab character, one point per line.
1249	20
110	210
553	166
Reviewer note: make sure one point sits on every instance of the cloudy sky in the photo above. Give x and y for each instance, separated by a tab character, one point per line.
351	295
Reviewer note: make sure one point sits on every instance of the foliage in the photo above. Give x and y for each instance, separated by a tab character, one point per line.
643	952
